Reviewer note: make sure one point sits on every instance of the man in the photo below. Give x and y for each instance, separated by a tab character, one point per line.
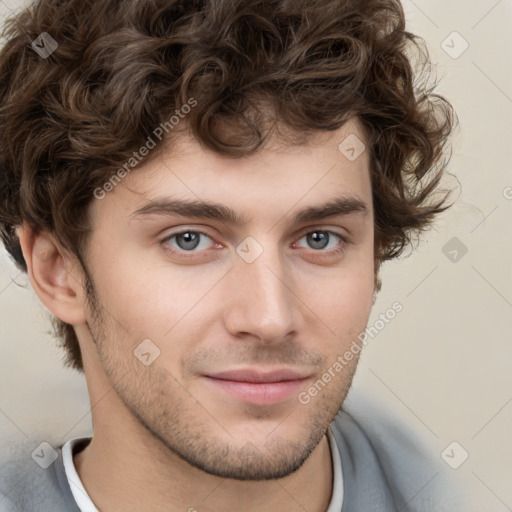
202	193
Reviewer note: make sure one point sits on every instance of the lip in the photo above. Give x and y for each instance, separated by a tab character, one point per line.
258	387
258	376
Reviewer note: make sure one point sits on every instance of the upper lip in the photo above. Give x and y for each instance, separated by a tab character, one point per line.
252	375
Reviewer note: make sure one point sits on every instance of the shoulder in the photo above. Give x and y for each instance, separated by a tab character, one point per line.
378	449
32	478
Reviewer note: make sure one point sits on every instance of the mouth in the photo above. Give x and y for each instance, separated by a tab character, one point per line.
258	387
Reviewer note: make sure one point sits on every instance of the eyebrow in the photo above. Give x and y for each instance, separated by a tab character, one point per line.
205	210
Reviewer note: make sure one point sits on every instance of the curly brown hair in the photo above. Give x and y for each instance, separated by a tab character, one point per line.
123	67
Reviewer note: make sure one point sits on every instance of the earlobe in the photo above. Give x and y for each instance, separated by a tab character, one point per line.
51	275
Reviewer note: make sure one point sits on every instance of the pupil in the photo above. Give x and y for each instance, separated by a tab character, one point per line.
317	238
191	240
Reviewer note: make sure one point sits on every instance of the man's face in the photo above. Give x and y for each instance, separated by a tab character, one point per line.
268	294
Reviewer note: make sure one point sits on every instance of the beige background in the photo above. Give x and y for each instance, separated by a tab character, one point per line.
443	364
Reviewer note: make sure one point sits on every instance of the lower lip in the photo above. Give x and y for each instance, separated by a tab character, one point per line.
260	393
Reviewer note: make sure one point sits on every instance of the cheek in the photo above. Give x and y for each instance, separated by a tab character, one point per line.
131	299
344	295
153	299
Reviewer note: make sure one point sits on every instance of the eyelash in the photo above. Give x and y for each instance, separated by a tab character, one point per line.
320	253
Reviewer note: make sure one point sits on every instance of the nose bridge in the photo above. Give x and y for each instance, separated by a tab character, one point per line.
262	303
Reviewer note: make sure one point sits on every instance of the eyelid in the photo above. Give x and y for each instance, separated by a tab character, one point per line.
343	234
304	231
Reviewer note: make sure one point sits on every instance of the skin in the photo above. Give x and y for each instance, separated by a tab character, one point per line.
165	440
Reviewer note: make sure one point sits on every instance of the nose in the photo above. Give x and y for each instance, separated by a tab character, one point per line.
261	301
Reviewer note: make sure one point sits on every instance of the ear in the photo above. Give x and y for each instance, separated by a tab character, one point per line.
54	275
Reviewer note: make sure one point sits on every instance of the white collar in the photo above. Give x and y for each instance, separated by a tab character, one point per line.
79	493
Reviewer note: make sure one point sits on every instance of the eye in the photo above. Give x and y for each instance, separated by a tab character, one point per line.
319	240
186	241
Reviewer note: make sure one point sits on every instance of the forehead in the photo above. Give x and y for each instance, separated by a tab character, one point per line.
278	178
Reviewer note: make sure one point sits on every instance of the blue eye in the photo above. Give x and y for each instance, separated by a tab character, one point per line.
188	240
319	240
